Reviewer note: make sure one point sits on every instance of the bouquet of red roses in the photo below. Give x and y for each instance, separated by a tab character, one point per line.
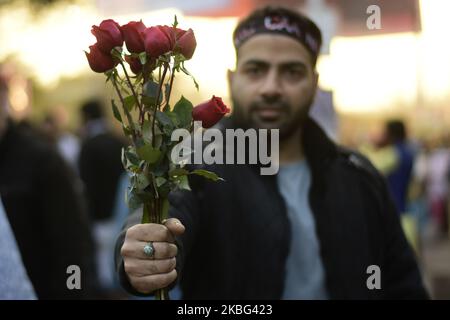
154	55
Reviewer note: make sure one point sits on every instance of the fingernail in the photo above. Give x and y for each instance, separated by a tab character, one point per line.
164	221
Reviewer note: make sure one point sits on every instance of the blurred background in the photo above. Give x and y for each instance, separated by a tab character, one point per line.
381	90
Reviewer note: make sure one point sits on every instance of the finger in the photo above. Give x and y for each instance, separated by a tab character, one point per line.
150	232
135	249
175	226
142	268
149	284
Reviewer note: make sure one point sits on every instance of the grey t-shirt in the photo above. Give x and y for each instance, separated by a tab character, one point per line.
305	276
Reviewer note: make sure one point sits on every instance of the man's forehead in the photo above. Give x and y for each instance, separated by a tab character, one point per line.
272	49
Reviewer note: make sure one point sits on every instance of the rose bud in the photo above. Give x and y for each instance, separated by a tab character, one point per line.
157	41
210	112
98	60
132	35
108	35
135	64
186	43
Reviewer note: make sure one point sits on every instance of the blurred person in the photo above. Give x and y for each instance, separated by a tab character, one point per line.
399	177
54	127
309	232
393	156
44	210
437	186
14	281
100	167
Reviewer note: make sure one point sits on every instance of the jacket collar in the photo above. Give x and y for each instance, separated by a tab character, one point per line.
318	148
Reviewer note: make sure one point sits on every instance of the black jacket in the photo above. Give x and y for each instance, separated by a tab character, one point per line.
100	168
238	234
46	214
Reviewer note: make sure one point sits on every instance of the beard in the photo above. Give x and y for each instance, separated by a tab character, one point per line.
272	114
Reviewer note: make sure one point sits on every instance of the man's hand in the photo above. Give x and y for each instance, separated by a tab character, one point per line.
147	274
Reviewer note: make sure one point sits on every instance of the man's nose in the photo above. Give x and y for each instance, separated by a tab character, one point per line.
270	89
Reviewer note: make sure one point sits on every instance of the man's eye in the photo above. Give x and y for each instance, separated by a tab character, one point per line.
254	71
295	73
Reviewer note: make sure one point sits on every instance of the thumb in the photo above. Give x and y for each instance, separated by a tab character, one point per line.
175	226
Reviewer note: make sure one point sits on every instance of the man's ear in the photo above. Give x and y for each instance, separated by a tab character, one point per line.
316	79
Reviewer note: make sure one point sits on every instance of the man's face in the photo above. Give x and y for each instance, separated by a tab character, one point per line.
274	84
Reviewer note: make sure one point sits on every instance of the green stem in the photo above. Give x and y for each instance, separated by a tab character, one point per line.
172	76
127	113
161	81
131	86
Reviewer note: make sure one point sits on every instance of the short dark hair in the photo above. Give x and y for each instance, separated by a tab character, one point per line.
310	35
396	130
92	109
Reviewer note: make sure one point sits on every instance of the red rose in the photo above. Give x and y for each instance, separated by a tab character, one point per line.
132	35
98	60
185	43
157	41
210	112
135	64
108	35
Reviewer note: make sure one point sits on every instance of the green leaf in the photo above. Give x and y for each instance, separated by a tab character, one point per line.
175	22
116	53
189	74
132	157
160	181
151	90
116	112
167	95
147	134
129	102
183	183
149	102
127	131
183	111
174	118
164	119
148	153
143	57
109	74
141	181
207	174
178	172
133	200
162	167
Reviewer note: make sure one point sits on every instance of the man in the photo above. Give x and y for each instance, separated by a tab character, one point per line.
399	178
100	168
44	210
310	232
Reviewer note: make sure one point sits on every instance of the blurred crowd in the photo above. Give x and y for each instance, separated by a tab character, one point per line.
62	197
418	174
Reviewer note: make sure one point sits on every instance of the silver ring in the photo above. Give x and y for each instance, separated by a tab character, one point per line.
149	250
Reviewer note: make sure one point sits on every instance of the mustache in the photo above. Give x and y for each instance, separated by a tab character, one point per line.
261	105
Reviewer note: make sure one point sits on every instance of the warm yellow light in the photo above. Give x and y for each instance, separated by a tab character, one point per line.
18	96
366	73
371	73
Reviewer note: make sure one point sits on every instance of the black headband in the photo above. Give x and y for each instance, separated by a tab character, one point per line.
299	28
